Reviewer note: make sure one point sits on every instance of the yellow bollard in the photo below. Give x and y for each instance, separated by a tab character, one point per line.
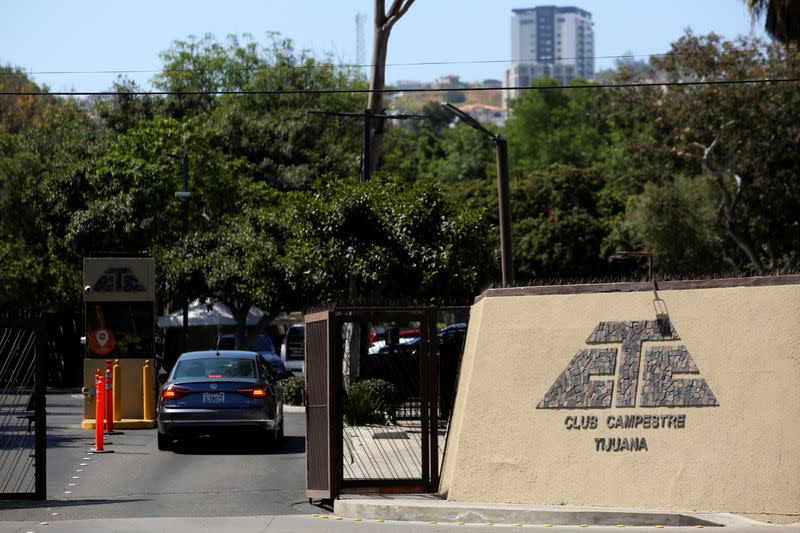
117	392
147	392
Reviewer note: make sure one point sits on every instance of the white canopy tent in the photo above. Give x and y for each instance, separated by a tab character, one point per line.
208	314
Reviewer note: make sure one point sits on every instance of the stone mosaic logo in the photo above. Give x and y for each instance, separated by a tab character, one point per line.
575	388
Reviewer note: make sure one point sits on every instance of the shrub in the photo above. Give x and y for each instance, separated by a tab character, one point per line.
371	401
292	388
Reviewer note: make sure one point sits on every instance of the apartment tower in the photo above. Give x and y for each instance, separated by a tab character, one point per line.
549	41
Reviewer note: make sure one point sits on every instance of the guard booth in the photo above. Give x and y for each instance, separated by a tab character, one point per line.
119	295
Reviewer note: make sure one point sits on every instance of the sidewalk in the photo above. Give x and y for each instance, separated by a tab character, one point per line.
337	523
427	508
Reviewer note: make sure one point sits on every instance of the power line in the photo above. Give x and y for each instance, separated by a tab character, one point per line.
360	65
280	92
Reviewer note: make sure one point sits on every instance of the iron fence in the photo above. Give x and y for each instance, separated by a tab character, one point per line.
23	376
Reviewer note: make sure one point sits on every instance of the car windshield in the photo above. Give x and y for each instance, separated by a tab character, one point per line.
261	343
215	367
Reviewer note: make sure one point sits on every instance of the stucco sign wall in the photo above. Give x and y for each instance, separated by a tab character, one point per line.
687	397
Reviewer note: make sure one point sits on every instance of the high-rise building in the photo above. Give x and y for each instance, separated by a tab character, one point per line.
550	41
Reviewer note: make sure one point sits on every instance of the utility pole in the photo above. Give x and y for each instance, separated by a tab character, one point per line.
365	172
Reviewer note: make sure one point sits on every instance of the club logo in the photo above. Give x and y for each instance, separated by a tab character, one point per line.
574	388
118	279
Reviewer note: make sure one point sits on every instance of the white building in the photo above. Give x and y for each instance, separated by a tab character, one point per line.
549	41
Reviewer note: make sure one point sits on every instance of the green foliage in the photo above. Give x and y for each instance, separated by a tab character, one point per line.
285	145
371	401
703	176
557	230
292	388
396	239
678	222
553	126
743	137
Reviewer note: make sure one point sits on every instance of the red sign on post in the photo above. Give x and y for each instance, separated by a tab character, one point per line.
102	341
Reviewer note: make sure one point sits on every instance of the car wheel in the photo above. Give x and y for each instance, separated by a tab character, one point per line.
280	431
164	442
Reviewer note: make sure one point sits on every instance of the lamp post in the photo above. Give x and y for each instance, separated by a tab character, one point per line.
184	196
622	254
504	209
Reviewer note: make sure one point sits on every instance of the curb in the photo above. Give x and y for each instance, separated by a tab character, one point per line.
428	510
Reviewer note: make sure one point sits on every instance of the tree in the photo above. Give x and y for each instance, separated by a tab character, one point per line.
286	146
44	163
384	21
553	126
557	229
743	137
397	240
239	263
782	18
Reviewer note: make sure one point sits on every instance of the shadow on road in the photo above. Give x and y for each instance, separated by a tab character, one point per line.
39	504
219	445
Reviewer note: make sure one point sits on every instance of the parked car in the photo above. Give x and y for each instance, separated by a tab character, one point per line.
219	390
263	346
293	348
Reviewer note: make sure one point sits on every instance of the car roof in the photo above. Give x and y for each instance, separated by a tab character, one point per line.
230	354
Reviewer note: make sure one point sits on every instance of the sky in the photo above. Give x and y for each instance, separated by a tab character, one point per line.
71	46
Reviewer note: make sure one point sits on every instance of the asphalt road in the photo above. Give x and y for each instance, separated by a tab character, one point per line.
203	478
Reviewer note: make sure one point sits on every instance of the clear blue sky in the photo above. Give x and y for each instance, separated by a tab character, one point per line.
474	35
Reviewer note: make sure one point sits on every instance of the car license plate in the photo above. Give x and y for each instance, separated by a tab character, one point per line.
213	397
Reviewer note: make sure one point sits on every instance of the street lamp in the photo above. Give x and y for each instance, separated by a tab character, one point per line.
621	254
184	196
504	210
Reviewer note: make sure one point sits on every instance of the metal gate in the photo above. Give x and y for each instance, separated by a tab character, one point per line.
320	407
379	386
23	378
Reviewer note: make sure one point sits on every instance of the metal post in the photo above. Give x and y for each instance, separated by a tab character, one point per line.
185	172
40	413
504	211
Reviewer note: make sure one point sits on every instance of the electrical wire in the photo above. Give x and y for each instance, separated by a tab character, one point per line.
281	92
322	65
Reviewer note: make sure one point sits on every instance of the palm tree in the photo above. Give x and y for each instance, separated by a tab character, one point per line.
782	18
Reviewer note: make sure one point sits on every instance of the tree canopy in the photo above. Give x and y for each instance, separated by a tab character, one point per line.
703	176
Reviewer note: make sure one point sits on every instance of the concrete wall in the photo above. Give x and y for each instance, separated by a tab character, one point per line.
707	374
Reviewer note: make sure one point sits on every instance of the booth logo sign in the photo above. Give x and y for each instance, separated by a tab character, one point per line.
118	279
574	388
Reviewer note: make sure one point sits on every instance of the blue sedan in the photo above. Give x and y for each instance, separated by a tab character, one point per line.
217	391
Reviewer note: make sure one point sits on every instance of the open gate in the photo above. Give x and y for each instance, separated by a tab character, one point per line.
23	379
406	357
